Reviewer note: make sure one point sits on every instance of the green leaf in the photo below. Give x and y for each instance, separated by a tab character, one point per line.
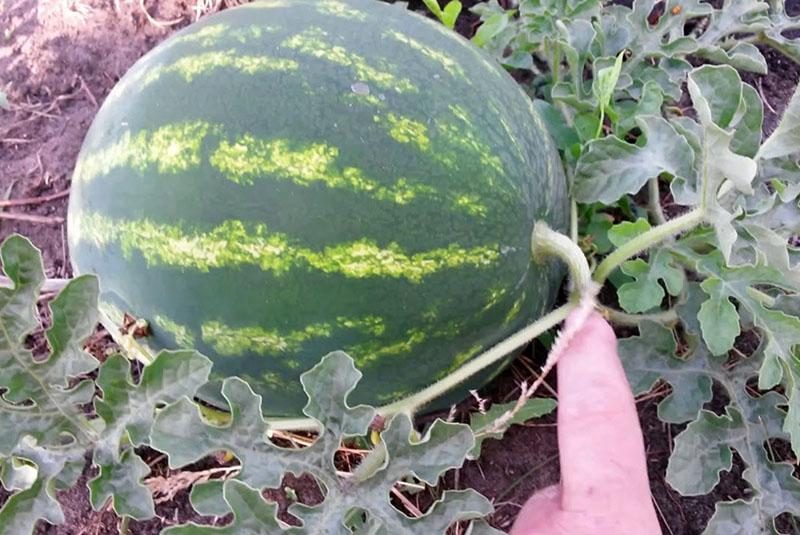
742	56
597	229
649	103
651	356
735	17
17	474
563	136
122	483
25	508
736	517
180	431
252	515
38	400
482	423
718	108
624	232
208	498
718	318
610	167
42	411
785	140
128	409
716	93
645	292
450	13
433	6
747	138
490	29
705	447
779	22
605	81
781	331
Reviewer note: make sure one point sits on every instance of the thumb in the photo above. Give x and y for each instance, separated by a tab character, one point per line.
601	450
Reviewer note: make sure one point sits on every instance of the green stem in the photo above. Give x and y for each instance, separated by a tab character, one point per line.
412	403
623	318
573	220
545	242
763	298
654	198
556	63
646	240
600	123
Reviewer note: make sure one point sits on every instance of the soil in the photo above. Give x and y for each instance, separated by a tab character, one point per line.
58	61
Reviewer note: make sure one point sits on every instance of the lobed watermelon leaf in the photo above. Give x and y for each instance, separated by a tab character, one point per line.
705	447
47	431
182	433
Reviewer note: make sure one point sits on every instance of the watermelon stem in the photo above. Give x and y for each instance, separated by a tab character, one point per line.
546	242
648	239
413	403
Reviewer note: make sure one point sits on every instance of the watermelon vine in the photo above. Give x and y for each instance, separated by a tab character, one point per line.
721	264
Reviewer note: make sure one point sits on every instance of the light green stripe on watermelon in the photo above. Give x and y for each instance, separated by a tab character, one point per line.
211	35
515	309
231	341
169	149
313	43
447	63
177	148
339	9
183	335
479	57
450	139
248	159
237	243
405	130
375	350
465	137
239	341
496	294
190	67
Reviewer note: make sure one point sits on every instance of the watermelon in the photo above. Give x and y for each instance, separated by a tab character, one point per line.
285	179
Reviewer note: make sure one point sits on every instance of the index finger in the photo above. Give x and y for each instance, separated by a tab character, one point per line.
600	441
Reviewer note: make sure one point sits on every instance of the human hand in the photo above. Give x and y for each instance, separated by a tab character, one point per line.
604	487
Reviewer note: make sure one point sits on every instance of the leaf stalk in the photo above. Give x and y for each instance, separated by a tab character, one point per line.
646	240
